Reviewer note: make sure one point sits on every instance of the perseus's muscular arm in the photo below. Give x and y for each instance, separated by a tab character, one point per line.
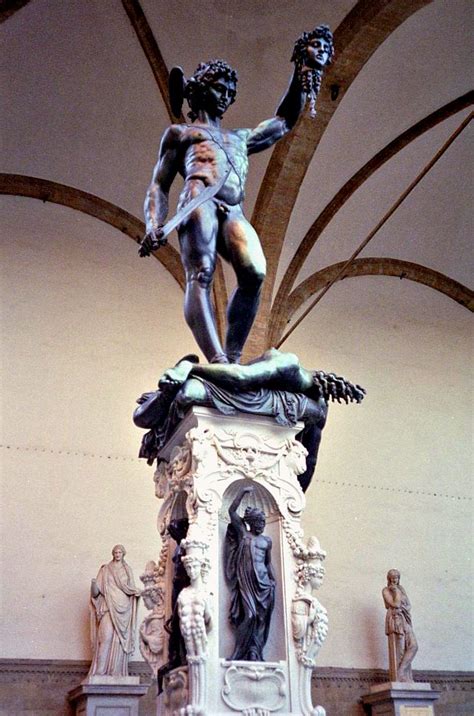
271	130
166	168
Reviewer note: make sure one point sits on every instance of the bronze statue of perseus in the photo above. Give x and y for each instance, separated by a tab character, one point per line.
213	162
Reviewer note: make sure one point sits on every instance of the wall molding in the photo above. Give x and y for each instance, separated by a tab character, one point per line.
63	670
41	686
364	678
57	671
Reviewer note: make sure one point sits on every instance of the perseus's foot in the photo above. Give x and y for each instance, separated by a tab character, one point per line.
173	378
220	358
234	356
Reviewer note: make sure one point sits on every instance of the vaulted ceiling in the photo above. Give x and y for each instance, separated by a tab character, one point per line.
380	172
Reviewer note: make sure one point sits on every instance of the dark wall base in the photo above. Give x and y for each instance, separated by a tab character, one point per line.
30	686
340	690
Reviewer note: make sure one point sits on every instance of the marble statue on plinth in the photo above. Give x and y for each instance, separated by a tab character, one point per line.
249	573
402	644
114	599
400	694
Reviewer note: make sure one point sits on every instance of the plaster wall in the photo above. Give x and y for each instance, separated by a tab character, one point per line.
88	326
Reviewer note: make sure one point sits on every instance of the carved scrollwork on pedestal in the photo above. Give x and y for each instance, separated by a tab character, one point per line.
195	620
175	475
254	689
152	631
176	691
249	453
309	620
223	454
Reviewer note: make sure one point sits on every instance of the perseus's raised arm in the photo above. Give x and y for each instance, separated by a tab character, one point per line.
312	52
271	130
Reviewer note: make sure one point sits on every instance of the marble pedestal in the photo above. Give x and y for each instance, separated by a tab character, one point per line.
205	464
107	698
396	698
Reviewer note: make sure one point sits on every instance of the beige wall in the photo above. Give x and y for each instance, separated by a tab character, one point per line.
88	326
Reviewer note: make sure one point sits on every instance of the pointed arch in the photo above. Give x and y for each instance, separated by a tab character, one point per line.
361	32
278	318
378	266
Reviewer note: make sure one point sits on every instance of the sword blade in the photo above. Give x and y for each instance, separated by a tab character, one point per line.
208	193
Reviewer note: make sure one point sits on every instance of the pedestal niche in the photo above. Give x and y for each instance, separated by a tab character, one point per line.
207	463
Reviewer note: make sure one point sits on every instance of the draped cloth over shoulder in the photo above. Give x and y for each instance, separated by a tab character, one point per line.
113	620
253	596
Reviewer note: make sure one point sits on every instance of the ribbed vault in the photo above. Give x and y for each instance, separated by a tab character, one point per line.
358	36
362	31
279	316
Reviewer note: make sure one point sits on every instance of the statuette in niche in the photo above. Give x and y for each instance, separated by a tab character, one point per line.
249	573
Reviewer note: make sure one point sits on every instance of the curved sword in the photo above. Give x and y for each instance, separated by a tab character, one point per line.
208	193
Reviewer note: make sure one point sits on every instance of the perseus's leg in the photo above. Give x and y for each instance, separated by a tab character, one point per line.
244	251
197	239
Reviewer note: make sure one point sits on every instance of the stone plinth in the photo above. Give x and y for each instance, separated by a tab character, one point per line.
108	697
207	462
396	698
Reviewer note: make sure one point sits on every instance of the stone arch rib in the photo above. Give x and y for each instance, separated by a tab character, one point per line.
361	32
383	266
346	191
9	8
150	48
364	173
44	190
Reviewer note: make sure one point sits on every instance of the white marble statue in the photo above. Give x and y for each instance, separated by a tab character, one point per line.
193	608
309	620
195	622
402	644
114	599
308	617
152	630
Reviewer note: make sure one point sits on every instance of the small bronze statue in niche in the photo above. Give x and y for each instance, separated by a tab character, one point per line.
402	644
249	573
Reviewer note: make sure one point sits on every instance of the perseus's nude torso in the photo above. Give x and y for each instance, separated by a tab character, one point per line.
209	153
